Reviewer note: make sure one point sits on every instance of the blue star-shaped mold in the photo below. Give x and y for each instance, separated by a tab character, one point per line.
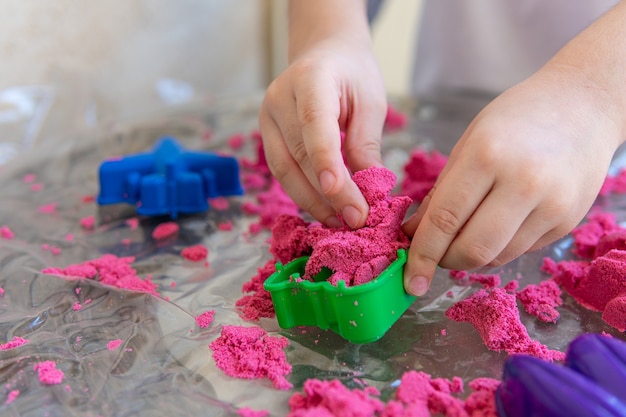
168	180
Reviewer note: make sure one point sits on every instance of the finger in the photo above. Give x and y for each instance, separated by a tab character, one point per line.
538	230
495	226
362	146
410	225
453	202
321	138
288	173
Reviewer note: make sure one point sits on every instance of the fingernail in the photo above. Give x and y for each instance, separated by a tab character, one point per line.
327	181
418	285
351	216
333	222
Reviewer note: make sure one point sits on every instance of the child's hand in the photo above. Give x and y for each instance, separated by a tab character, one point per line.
333	84
523	174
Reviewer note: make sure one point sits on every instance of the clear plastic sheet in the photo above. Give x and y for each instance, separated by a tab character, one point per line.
164	366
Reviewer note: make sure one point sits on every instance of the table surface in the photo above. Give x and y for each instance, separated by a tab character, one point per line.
165	366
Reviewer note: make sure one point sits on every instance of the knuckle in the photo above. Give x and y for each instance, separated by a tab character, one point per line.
445	220
299	152
280	169
479	255
318	209
471	256
309	113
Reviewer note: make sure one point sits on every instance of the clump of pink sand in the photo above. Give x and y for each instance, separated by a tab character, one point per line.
250	353
541	300
421	172
48	373
12	396
205	319
195	253
109	270
354	256
418	395
114	344
394	119
6	233
88	222
272	200
15	342
248	412
495	316
598	281
165	230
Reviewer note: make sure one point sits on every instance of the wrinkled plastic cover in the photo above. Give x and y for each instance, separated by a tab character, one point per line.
164	366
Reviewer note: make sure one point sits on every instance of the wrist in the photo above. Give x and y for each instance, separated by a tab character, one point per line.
314	22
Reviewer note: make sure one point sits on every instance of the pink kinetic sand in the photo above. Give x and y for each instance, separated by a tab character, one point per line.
219	203
235	142
418	395
614	183
458	275
273	203
48	373
133	223
12	396
250	353
109	270
495	316
593	284
542	300
205	319
610	240
55	250
225	226
195	253
614	313
598	282
511	286
421	172
332	398
48	208
165	230
358	256
114	344
394	119
15	342
588	235
6	233
354	256
36	187
248	412
88	222
257	302
29	178
488	281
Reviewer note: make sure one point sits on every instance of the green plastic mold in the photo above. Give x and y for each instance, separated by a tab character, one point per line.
361	313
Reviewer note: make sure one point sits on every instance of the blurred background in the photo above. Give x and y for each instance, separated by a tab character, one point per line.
68	66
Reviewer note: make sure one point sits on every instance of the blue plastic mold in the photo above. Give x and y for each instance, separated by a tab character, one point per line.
168	180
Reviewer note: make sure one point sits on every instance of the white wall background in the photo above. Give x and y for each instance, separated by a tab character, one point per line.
99	62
